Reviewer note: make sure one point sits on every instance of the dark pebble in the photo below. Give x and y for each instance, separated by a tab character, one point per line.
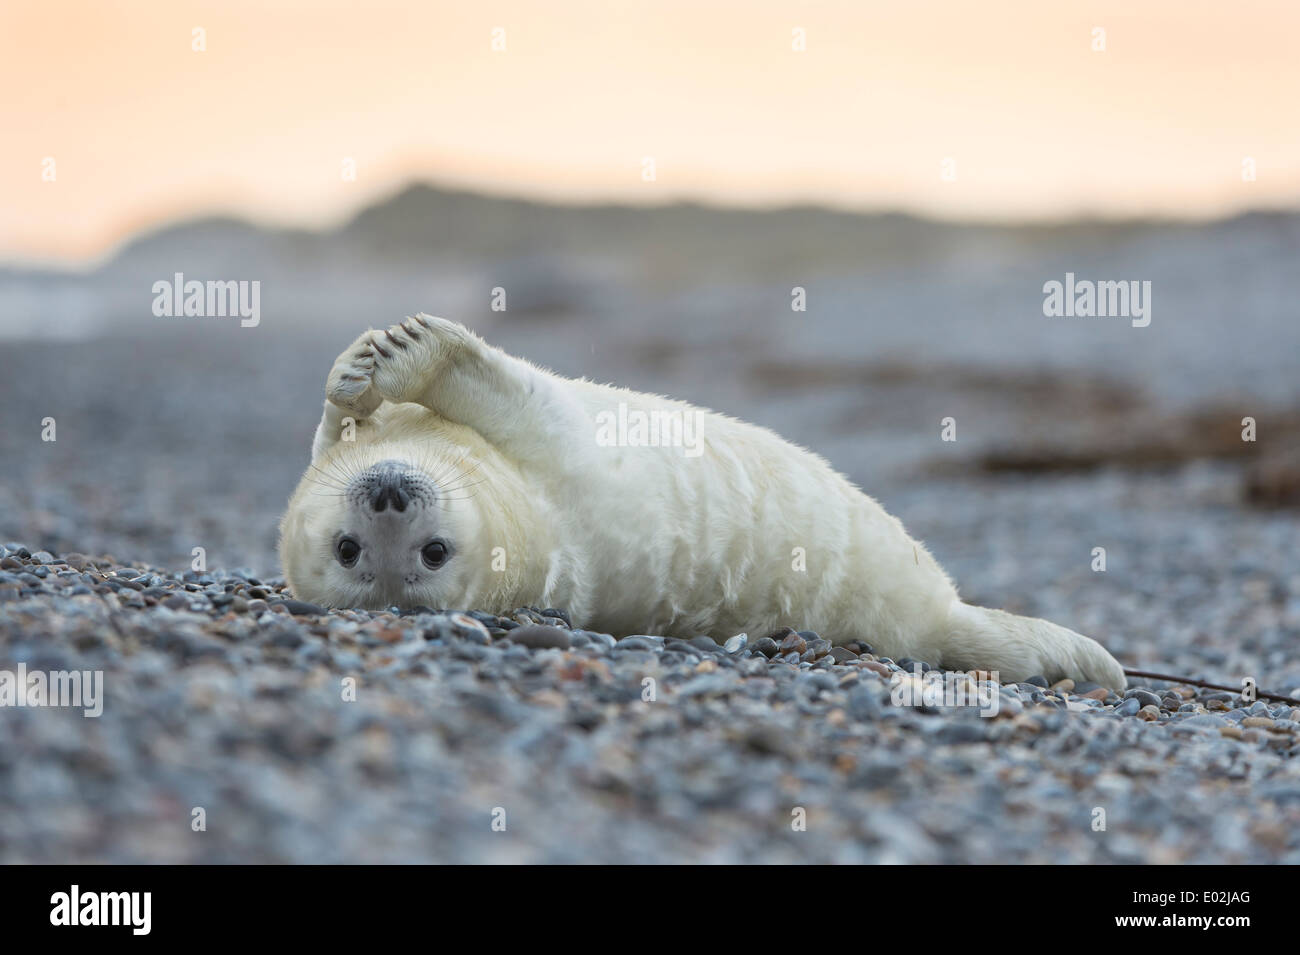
302	608
1145	698
558	615
288	638
541	637
963	732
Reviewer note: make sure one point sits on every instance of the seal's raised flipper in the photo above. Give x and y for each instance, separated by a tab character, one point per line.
448	369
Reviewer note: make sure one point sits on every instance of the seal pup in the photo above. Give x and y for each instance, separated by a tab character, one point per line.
446	473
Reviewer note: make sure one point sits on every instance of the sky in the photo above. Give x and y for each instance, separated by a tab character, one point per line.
300	113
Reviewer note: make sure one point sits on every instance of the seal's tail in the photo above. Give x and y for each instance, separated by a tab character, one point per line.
1021	647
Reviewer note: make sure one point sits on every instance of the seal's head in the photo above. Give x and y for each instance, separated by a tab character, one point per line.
373	529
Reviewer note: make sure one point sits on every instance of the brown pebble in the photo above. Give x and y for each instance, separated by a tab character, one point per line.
1149	712
876	667
1257	721
1098	694
793	644
1063	686
1232	732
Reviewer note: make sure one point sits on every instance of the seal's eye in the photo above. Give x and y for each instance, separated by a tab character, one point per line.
434	554
347	550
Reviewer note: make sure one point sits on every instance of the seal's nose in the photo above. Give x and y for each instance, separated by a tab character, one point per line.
387	489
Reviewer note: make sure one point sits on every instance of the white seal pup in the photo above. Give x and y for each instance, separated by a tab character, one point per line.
446	473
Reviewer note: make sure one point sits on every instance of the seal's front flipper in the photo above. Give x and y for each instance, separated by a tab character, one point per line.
350	396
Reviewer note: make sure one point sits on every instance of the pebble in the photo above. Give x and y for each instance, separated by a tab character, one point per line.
302	608
737	643
1145	698
793	643
539	637
638	643
1257	721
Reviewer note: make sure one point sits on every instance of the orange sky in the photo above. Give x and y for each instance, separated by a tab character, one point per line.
143	129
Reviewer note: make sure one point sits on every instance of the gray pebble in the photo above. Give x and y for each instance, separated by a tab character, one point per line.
537	637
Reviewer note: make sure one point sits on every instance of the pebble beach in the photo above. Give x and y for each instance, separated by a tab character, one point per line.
307	736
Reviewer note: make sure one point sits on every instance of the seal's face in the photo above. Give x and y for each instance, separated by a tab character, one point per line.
373	535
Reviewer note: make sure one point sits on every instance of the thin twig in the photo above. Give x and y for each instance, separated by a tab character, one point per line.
1280	697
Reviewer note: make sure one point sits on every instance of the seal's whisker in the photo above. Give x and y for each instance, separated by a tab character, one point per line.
456	485
325	480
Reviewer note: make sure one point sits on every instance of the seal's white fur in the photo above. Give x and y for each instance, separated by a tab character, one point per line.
751	534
